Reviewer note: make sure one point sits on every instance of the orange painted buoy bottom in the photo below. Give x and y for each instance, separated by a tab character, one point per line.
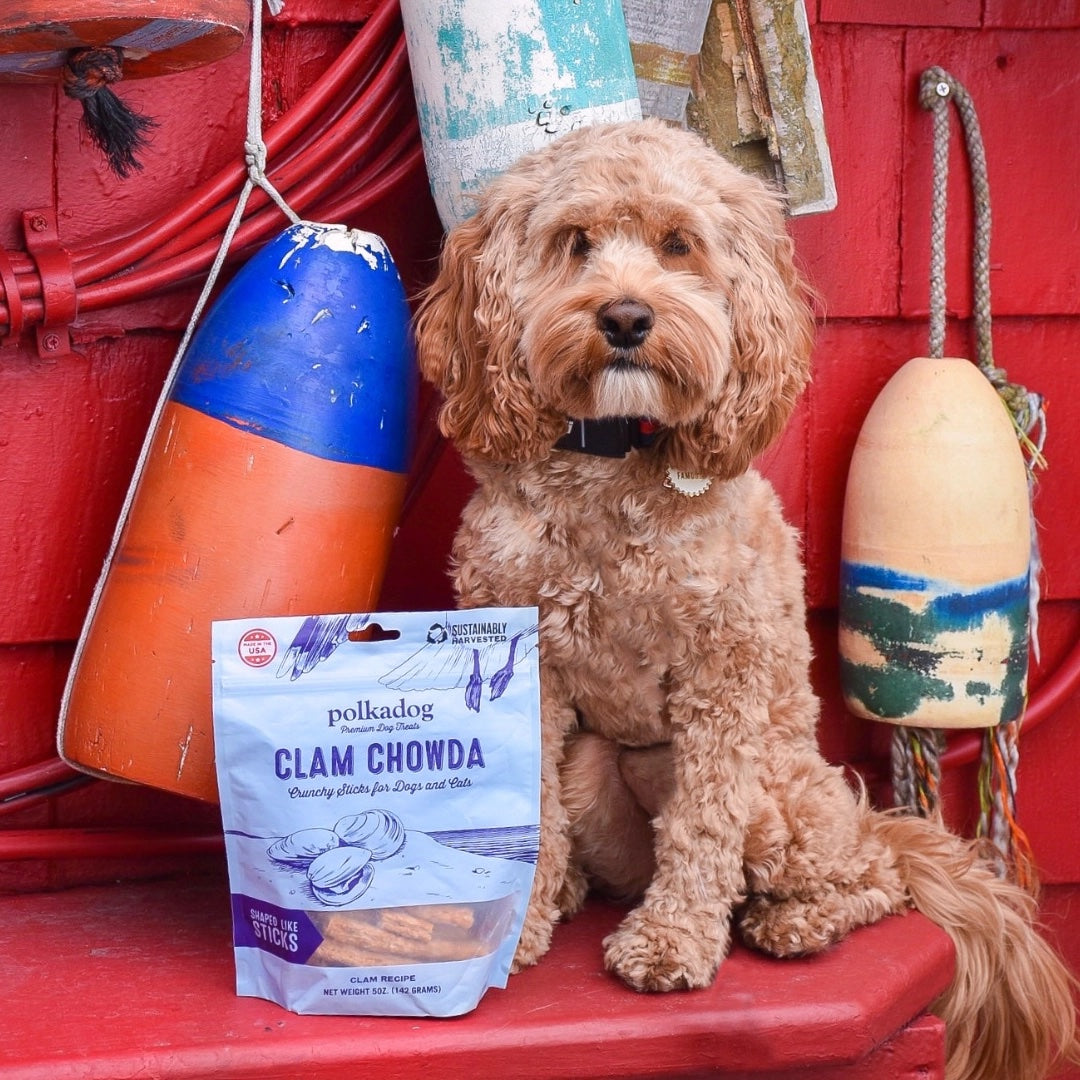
225	524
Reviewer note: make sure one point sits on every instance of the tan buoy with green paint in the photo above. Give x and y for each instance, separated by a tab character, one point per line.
936	554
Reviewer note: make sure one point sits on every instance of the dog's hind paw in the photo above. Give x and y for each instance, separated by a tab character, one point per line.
787	928
798	926
650	954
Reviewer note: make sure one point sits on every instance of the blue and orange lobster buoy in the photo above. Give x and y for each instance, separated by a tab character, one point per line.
271	485
936	554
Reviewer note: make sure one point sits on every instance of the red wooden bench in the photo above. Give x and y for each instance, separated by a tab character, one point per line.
136	980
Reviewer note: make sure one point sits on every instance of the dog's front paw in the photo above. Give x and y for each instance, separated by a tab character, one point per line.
650	951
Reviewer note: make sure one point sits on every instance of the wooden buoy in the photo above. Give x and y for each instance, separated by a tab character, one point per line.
272	486
496	78
936	554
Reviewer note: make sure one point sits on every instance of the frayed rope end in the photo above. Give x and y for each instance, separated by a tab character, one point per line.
114	127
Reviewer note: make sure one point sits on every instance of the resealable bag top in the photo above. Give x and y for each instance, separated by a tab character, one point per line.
380	794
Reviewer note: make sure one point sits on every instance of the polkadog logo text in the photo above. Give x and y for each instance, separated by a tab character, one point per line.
364	715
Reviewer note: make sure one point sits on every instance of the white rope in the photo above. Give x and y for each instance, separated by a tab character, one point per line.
254	147
255	156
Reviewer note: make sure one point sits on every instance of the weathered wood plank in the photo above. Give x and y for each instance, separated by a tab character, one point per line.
903	12
851	255
756	99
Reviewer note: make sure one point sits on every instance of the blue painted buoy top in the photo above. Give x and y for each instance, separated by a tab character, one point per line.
350	399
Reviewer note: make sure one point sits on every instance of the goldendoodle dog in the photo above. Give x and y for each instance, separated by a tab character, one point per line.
617	332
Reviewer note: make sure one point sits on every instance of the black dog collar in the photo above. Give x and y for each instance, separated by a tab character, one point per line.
611	437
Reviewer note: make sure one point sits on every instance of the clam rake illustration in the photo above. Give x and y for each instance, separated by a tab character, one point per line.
316	640
441	663
445	664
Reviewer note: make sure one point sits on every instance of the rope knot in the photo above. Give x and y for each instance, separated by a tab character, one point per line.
936	86
255	156
88	70
1017	398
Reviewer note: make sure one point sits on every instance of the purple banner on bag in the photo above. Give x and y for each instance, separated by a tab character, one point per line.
288	934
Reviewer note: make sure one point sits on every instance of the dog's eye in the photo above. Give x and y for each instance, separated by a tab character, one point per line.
579	243
675	243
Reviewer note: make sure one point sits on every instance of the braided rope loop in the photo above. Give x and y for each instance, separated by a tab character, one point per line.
1026	408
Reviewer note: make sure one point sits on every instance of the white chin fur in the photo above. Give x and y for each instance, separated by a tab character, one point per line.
626	392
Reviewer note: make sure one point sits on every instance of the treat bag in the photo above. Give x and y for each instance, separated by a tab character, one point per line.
380	784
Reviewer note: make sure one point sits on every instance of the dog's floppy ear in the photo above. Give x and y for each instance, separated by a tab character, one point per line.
467	336
772	332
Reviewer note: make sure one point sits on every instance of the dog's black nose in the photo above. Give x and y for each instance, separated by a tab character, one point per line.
625	323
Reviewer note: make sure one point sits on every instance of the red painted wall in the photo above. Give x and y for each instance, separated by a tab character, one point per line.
71	426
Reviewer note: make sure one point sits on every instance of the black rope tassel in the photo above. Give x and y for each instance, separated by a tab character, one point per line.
116	129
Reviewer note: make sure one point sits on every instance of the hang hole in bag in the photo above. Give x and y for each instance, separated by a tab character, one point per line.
374	632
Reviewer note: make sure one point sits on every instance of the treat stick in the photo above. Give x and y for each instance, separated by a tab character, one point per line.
363	934
409	926
333	953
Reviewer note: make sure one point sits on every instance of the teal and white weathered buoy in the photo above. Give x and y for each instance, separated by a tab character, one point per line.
936	569
495	79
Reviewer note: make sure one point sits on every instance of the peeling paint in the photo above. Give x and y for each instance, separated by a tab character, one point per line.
184	747
932	653
497	78
369	246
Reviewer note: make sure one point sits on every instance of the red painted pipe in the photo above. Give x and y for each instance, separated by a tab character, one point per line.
330	155
153	275
22	844
153	278
348	71
30	777
193	263
1052	693
342	142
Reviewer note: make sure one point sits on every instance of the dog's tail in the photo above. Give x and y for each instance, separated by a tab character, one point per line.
1009	1012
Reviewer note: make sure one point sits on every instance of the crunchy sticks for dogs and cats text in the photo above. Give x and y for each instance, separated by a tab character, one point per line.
380	797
